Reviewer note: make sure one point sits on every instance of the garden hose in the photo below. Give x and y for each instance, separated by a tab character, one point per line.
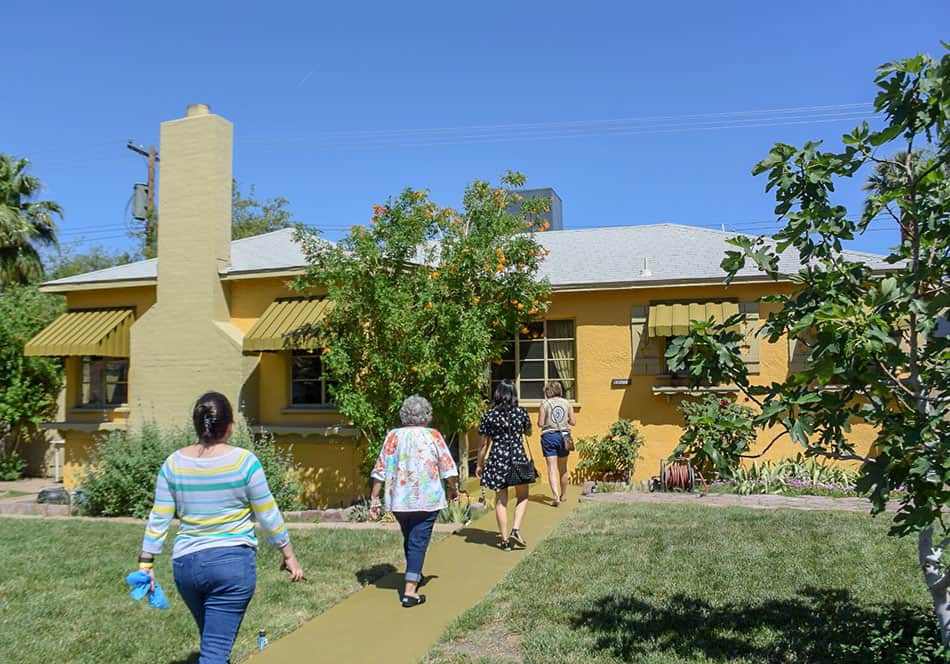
680	476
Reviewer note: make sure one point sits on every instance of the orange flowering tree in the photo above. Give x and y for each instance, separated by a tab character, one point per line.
423	297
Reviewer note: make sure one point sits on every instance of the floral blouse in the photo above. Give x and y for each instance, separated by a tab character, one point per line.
413	463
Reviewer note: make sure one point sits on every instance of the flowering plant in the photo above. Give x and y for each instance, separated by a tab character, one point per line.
717	433
424	297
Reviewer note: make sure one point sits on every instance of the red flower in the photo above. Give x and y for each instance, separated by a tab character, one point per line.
723	403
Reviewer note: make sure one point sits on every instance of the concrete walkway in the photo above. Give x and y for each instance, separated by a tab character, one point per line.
371	625
28	485
24	502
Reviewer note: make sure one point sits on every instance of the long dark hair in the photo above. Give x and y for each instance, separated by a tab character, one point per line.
505	397
212	416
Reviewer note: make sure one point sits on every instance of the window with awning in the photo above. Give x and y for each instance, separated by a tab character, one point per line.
287	324
653	326
85	332
672	320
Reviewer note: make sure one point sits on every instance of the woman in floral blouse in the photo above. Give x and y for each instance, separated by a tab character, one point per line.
412	464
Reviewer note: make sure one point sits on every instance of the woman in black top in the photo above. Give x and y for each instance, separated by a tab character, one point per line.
505	424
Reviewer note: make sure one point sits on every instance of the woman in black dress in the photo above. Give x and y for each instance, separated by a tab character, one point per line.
505	424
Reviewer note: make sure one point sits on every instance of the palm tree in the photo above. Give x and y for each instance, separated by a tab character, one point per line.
891	175
25	224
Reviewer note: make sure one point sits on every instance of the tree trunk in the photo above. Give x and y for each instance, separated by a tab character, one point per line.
463	459
16	440
937	579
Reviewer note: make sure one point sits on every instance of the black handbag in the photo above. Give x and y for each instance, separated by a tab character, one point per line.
523	472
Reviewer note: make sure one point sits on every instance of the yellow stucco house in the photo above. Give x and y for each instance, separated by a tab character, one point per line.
142	341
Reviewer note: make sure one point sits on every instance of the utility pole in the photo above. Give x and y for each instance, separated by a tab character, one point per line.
151	212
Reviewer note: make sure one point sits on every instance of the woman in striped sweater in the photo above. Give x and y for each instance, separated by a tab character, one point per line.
218	492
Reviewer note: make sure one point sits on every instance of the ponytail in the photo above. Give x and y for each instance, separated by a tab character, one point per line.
212	416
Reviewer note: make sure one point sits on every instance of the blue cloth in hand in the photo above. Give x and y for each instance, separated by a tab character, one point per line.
141	582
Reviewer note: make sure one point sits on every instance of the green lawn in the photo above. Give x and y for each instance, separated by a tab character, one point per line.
63	596
682	583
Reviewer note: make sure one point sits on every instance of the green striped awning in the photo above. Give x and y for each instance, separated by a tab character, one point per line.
285	324
103	332
672	320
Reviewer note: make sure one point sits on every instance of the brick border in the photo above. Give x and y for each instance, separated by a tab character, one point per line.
757	501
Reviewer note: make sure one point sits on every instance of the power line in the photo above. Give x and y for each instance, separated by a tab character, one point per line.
91	231
649	119
568	134
636	132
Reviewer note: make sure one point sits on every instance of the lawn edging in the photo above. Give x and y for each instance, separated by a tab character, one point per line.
14	507
65	515
755	501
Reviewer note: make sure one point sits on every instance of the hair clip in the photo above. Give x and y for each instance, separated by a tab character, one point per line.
208	422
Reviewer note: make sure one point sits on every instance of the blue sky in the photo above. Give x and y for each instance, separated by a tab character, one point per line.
634	112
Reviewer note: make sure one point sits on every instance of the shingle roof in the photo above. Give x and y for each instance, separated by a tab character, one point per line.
578	258
268	252
674	253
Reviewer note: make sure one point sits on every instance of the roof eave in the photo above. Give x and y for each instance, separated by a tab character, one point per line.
785	278
656	283
52	287
235	275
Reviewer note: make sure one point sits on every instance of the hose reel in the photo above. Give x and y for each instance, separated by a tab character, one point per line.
676	474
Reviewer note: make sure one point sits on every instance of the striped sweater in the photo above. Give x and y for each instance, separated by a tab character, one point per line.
217	501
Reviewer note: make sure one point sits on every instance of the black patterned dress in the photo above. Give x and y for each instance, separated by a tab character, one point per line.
505	428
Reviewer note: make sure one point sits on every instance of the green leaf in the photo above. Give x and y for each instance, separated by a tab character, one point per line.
887	135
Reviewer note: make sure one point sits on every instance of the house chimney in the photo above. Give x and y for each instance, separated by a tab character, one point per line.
185	344
197	109
554	217
194	227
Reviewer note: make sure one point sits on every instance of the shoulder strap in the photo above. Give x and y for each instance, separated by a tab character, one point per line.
527	446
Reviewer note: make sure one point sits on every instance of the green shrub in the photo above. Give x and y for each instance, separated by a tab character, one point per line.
28	385
11	467
613	456
717	433
119	479
278	465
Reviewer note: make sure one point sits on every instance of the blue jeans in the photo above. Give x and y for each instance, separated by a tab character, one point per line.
416	533
217	585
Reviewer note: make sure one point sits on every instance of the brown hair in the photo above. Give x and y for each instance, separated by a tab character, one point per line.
212	416
553	388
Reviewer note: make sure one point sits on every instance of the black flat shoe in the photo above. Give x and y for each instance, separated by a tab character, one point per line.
518	539
409	602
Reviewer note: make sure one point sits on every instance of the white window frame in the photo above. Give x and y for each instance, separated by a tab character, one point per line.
321	379
546	359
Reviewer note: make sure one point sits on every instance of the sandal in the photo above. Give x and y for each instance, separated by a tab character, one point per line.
409	602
